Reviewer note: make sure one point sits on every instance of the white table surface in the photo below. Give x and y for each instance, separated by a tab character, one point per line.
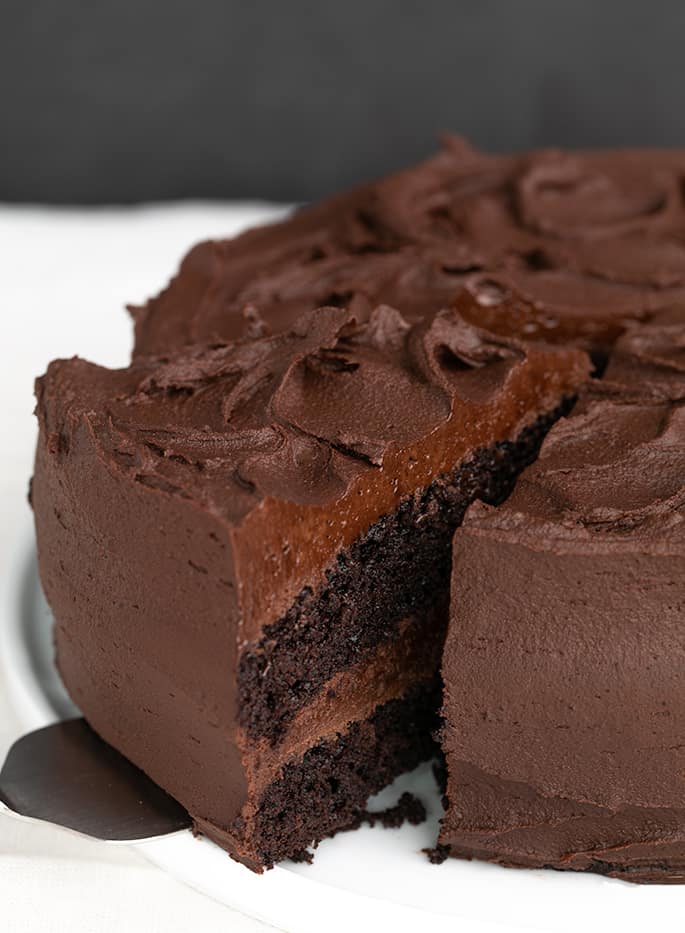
65	276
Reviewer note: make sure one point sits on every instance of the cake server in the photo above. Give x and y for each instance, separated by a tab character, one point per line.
65	774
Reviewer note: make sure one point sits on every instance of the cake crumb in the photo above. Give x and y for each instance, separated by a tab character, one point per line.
438	855
303	855
408	809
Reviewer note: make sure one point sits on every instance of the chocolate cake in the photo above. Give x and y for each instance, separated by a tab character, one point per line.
564	663
245	536
247	551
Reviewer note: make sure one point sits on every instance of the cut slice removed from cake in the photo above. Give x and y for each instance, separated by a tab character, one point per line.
246	548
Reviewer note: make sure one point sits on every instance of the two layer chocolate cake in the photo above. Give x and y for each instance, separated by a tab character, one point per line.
246	536
247	550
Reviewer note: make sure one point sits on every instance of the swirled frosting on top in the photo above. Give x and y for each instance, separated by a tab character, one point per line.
298	416
612	474
651	360
614	469
569	246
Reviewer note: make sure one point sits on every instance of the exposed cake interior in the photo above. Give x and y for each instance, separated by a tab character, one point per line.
285	507
358	660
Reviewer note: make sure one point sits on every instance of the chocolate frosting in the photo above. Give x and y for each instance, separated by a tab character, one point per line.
574	246
564	661
297	416
609	477
651	360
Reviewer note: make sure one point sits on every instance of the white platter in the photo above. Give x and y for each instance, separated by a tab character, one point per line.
368	879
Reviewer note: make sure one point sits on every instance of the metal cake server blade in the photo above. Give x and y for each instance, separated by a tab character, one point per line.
67	775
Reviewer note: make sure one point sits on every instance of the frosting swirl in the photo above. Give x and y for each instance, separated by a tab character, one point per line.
297	415
586	243
613	470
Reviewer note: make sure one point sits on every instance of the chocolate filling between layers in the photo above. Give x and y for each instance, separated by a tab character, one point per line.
396	572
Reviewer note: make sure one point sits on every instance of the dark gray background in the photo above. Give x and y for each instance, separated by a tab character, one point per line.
139	100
